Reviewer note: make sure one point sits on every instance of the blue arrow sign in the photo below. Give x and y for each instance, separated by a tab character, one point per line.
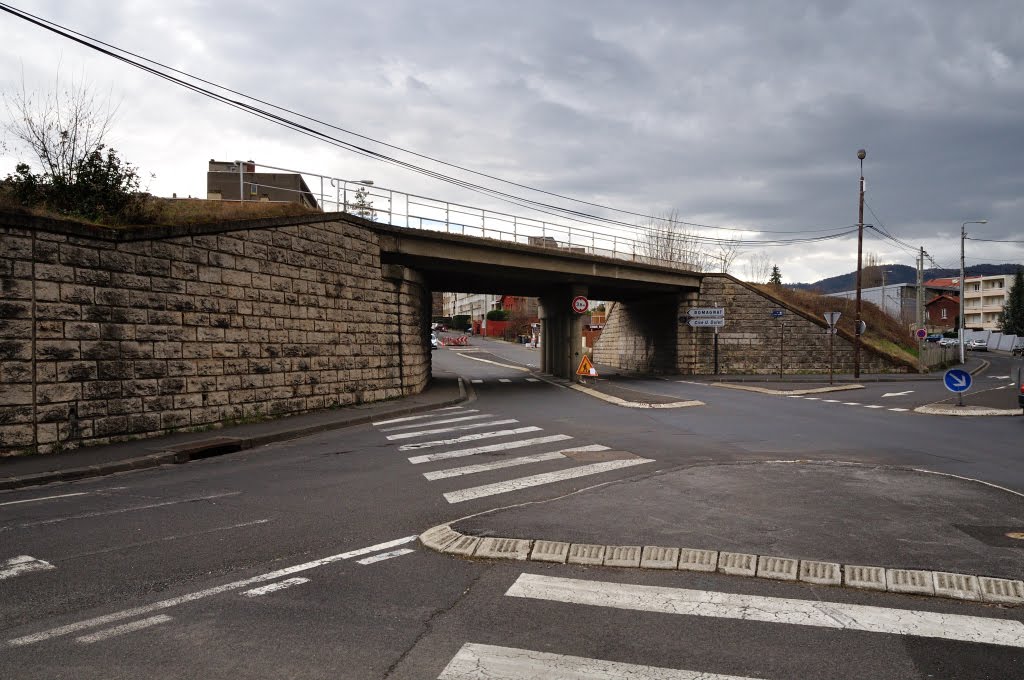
957	380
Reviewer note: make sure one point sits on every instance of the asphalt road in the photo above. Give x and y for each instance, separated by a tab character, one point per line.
297	559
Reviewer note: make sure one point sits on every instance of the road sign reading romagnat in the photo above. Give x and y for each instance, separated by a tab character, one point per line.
706	323
706	312
957	380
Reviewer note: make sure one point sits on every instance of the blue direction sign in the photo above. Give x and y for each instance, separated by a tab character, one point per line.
957	380
776	313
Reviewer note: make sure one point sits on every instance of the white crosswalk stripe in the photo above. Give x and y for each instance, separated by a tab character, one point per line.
432	423
490	662
817	613
433	414
453	428
537	480
511	462
469	438
489	448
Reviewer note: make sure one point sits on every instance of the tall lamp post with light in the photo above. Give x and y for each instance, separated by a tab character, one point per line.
960	329
861	154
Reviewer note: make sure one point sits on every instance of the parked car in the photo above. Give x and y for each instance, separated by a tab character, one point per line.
1020	394
934	337
1018	349
434	342
977	345
947	342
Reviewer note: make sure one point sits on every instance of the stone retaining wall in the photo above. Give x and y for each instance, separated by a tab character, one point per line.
751	341
106	335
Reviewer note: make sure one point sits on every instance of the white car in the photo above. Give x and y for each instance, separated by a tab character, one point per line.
977	345
947	342
434	342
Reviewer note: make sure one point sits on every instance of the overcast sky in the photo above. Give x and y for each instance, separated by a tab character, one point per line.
737	114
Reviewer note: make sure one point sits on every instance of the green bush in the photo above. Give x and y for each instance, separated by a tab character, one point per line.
460	321
497	315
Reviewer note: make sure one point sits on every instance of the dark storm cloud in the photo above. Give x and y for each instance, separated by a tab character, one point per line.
736	113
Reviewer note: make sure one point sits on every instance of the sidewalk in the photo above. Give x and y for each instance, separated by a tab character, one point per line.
181	447
773	519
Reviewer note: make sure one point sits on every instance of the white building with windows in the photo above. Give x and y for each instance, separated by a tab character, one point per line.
984	300
474	305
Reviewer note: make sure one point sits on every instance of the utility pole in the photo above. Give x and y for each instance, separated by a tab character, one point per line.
861	154
920	305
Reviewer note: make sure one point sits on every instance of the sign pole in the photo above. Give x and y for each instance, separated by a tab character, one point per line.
831	341
716	351
782	347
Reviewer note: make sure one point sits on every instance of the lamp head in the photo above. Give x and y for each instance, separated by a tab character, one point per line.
862	154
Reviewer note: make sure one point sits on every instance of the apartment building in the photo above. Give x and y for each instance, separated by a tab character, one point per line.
984	300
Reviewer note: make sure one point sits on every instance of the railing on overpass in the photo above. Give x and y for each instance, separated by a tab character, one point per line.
389	206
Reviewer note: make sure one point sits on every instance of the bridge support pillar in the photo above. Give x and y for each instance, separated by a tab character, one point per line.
561	332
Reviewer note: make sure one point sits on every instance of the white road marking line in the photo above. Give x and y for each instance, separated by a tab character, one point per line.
504	380
830	401
102	513
274	587
162	540
469	438
896	394
46	498
532	380
874	406
454	428
851	403
791	396
385	556
1000	377
477	381
488	361
443	421
817	613
125	628
199	595
512	462
460	453
899	409
813	398
22	564
537	480
478	662
432	414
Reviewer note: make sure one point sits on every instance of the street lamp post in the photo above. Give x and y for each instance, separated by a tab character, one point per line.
960	329
861	154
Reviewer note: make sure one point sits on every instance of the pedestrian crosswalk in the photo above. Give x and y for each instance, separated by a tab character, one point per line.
594	598
482	381
427	432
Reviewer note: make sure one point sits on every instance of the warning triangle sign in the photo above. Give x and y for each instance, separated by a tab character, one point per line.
586	368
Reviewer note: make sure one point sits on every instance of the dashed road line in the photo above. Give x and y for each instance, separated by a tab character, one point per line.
103	513
45	498
124	628
385	556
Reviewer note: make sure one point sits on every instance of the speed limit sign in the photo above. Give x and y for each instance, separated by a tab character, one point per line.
580	304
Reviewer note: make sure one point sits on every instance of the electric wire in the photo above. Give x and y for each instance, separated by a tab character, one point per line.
113	52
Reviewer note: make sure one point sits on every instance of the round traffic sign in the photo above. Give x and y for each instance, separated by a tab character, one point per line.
921	334
957	380
580	304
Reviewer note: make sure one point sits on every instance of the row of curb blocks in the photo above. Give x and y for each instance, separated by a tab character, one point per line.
444	539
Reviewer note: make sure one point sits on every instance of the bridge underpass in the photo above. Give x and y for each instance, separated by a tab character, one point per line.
455	263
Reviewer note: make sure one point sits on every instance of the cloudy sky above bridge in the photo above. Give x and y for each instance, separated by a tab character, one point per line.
736	114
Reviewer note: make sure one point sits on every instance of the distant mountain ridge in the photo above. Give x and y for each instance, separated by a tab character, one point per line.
901	273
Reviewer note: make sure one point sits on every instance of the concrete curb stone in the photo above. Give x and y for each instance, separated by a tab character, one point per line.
968	587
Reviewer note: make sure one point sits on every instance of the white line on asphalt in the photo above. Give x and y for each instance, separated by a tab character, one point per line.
102	513
512	462
899	409
125	628
477	381
443	421
175	537
532	380
490	448
45	498
198	595
813	398
432	414
274	587
469	438
851	403
453	428
385	556
874	406
818	613
830	401
22	564
795	396
538	480
477	662
504	380
488	361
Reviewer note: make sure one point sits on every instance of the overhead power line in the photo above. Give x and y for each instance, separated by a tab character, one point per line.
165	72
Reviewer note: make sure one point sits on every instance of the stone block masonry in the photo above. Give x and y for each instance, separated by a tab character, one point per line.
635	337
109	335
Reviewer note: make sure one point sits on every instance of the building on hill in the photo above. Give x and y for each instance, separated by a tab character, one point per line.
984	300
231	181
942	312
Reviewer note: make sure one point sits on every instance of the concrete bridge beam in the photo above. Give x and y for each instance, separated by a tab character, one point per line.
561	331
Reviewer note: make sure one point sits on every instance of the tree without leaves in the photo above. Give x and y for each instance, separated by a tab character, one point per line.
759	268
664	240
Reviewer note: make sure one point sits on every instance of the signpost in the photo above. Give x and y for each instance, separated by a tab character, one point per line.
580	304
706	317
706	312
705	323
586	368
959	381
832	318
921	334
